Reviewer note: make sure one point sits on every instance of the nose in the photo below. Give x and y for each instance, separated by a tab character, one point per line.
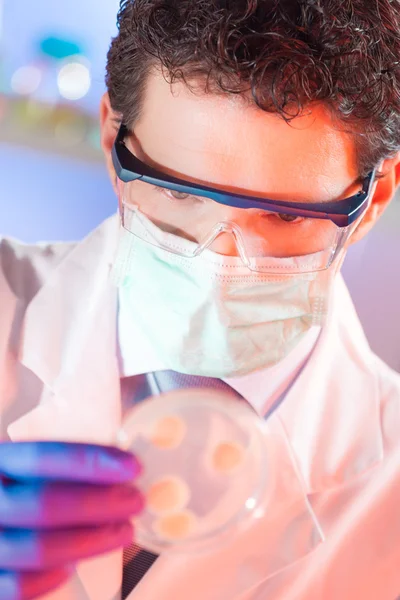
239	228
225	244
232	222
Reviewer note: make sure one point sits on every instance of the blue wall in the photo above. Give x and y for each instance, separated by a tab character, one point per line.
44	196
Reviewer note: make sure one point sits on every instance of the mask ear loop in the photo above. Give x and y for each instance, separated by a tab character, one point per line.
343	235
125	246
123	258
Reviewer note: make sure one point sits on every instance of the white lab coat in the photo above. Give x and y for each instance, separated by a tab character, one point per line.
331	528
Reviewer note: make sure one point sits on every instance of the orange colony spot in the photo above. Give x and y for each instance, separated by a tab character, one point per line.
176	526
227	456
168	432
167	495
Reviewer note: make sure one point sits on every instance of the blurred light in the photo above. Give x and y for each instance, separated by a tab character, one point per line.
259	513
74	81
59	48
251	503
26	80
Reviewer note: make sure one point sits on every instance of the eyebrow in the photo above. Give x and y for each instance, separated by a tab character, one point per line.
232	189
129	133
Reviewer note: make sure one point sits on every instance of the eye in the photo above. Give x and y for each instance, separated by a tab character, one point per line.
177	195
183	197
288	218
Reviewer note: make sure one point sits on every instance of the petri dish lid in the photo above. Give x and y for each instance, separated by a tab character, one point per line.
205	467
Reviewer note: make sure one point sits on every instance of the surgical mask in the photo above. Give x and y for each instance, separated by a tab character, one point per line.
210	315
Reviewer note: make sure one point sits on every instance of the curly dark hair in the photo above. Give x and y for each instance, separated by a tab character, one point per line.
282	54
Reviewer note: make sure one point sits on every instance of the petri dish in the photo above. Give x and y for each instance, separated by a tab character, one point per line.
205	467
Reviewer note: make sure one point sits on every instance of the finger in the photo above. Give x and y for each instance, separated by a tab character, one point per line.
59	505
67	462
26	586
24	550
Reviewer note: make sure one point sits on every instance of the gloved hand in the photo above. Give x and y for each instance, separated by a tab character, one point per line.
60	503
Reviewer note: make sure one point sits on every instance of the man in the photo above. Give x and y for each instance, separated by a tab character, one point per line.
250	142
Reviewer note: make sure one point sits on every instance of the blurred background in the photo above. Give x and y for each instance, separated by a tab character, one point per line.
52	58
53	185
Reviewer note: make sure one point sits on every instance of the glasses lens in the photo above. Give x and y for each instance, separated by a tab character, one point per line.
184	223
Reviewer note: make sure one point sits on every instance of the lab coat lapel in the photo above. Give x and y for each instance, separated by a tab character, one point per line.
332	415
69	342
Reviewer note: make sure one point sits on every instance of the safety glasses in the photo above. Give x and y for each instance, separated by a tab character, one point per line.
269	235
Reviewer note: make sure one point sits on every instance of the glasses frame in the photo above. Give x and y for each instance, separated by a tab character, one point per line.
341	212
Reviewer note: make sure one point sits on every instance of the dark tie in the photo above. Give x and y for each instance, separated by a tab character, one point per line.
136	560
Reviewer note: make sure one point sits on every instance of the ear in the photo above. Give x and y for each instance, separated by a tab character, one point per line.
384	191
109	124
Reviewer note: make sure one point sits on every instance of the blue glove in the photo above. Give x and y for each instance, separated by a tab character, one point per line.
60	503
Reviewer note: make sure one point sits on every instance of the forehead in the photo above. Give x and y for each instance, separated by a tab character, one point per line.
226	141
